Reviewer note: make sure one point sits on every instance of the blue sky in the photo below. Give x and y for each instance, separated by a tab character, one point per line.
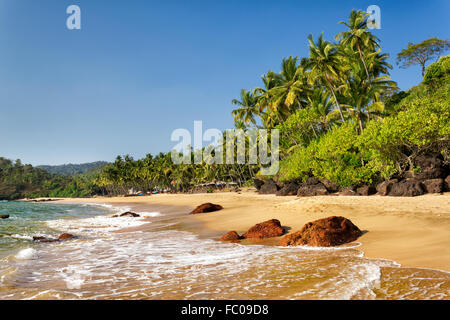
139	69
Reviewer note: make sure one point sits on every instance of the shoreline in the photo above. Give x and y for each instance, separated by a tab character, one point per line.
410	231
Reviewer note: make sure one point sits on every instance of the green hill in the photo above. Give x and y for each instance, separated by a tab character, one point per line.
74	169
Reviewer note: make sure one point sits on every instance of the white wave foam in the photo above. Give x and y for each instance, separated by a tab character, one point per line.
27	254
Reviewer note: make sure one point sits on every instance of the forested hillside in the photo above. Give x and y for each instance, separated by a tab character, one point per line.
74	169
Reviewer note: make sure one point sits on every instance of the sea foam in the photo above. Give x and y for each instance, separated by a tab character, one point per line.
27	254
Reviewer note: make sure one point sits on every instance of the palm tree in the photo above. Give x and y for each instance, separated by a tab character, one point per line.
290	93
362	99
248	107
319	102
324	64
357	36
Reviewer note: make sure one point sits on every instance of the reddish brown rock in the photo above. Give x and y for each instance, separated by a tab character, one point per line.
4	216
66	236
129	214
266	229
232	236
327	232
206	207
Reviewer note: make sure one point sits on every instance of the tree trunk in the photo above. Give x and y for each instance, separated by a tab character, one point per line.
362	59
335	99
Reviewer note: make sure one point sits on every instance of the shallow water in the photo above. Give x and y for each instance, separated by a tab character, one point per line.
155	258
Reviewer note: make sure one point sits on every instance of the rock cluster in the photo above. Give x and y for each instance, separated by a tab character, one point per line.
430	174
267	229
64	236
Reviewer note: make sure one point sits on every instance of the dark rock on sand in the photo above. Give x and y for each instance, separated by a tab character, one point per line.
447	183
406	188
206	207
429	167
66	236
129	214
232	236
350	191
331	187
266	229
290	189
434	185
366	190
4	216
312	190
269	187
44	239
311	181
327	232
258	183
384	187
427	173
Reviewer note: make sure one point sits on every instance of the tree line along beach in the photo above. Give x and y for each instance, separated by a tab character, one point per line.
359	208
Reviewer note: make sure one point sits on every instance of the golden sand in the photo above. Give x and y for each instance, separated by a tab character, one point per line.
414	232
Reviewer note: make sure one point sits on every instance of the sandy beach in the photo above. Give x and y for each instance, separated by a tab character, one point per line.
411	231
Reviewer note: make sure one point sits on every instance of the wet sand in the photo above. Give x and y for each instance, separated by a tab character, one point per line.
414	232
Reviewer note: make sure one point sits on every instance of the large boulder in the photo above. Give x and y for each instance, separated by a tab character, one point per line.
4	216
312	190
266	229
366	190
206	207
434	185
406	188
289	189
269	187
232	236
384	187
258	183
327	232
427	173
429	167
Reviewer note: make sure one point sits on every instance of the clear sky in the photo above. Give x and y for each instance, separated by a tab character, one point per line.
139	69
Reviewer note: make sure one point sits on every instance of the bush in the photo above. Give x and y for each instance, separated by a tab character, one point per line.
385	147
437	71
335	156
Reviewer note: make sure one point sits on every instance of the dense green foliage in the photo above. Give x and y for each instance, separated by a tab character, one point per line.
339	114
161	173
74	169
24	181
386	147
341	117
